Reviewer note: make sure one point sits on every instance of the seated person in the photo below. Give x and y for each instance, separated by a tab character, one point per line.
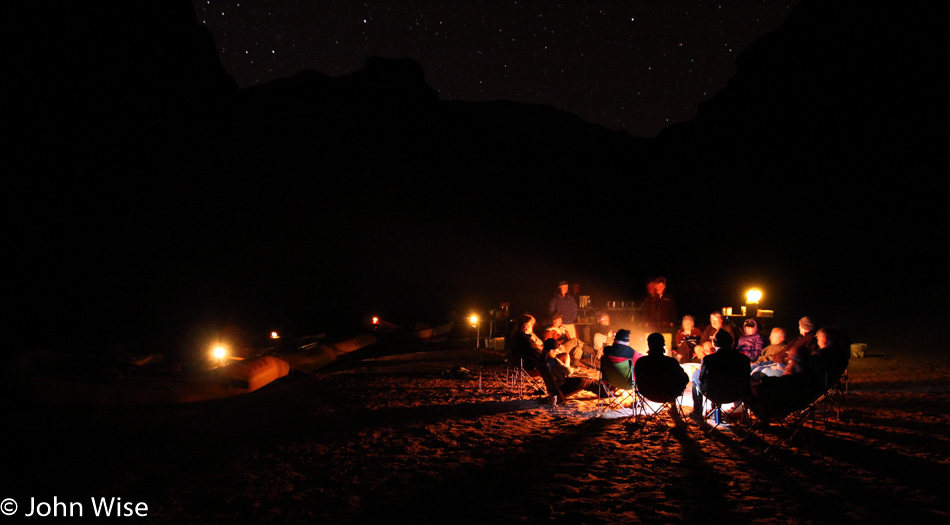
723	375
617	353
751	342
566	343
772	360
832	357
660	377
562	372
525	344
602	334
799	352
705	346
798	384
685	340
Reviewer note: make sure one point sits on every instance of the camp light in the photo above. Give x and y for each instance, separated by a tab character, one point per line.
219	351
753	296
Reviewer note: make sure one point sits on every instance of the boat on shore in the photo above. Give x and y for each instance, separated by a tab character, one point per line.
82	379
419	332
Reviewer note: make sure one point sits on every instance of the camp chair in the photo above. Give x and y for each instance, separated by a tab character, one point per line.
723	390
617	376
648	402
835	398
738	412
518	379
805	421
549	384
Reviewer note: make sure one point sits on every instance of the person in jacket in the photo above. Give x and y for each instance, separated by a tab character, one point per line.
751	343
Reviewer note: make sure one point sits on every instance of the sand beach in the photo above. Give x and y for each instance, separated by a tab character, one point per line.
401	432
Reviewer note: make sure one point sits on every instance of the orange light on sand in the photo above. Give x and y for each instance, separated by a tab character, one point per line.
753	296
274	335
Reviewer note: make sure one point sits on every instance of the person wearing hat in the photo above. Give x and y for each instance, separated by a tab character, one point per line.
723	374
751	343
660	378
621	348
799	352
619	352
565	304
566	344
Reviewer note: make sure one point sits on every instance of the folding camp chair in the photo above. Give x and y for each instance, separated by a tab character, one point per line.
616	380
519	379
835	398
804	422
653	407
550	385
723	386
739	413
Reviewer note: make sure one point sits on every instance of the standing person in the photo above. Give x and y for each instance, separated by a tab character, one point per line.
565	304
661	309
686	339
643	311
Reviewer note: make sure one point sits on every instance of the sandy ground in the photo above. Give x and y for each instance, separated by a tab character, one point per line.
402	434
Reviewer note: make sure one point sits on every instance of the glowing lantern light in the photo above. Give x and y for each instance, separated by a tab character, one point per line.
753	296
376	320
274	335
219	352
474	320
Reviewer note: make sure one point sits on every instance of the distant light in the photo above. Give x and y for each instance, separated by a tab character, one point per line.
219	352
753	296
274	335
473	319
376	320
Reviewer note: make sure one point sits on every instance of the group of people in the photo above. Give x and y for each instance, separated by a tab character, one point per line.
774	376
774	379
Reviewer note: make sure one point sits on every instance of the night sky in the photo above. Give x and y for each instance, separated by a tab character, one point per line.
638	66
117	226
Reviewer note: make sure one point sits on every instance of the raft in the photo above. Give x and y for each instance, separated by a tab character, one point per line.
153	387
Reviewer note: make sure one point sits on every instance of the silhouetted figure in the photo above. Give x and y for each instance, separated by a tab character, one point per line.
525	344
723	377
660	378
